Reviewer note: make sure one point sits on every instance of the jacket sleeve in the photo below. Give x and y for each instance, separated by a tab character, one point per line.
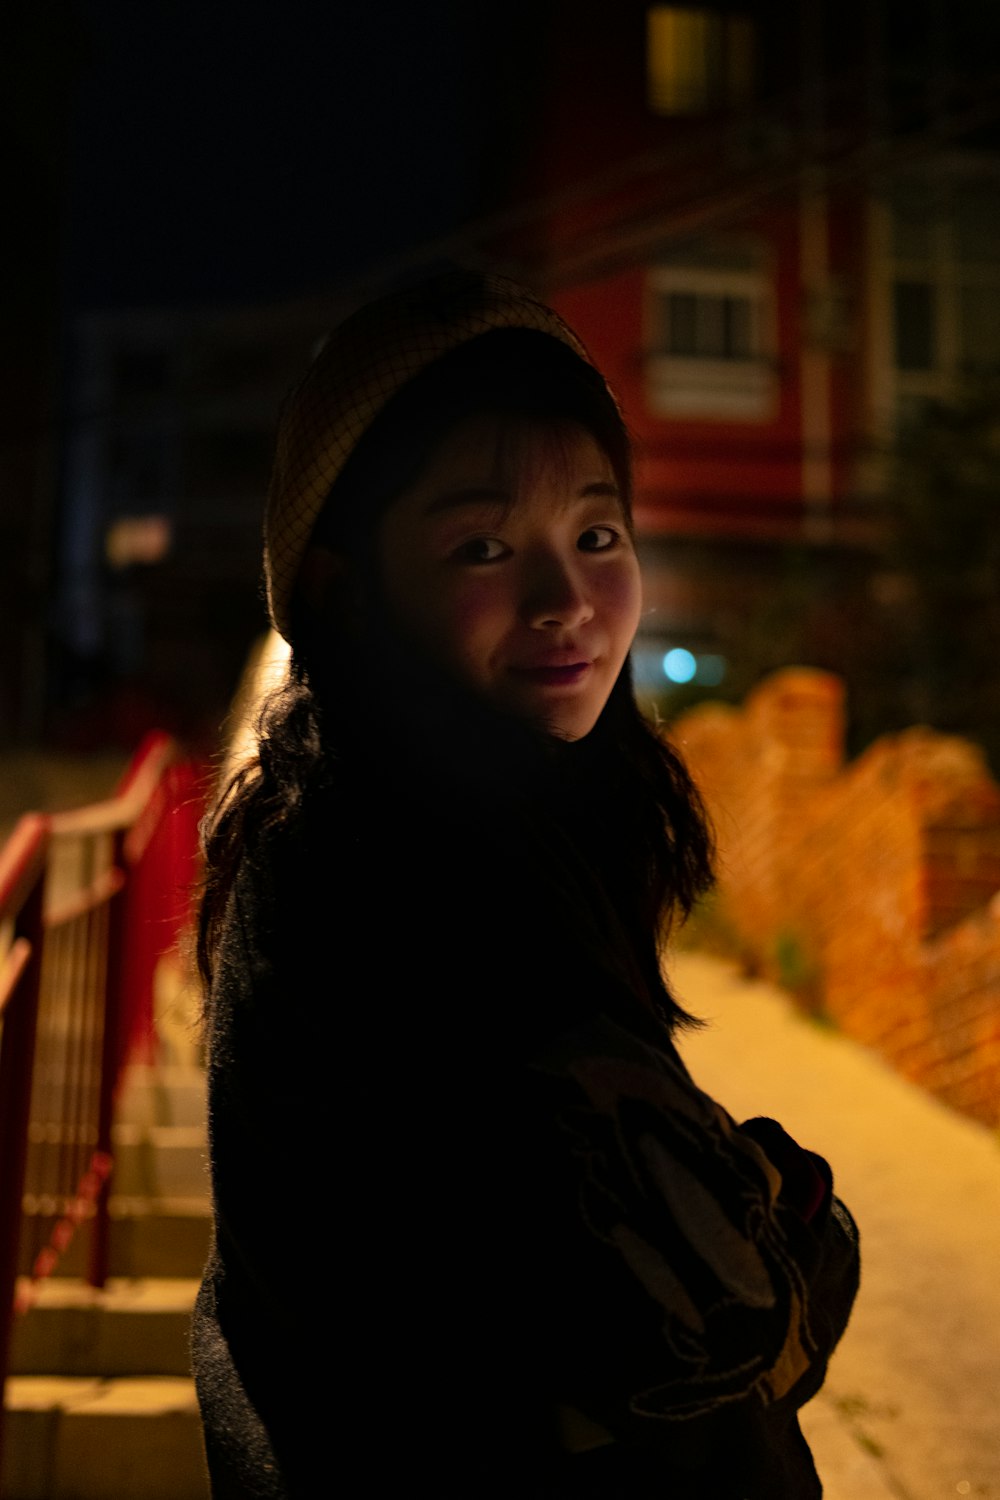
702	1272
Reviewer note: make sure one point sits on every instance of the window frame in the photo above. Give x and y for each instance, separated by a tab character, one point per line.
712	387
947	273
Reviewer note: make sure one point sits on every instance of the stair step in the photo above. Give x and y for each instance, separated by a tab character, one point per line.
169	1161
149	1160
149	1237
79	1438
130	1327
156	1095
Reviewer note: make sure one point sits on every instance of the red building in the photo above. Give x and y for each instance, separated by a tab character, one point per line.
775	228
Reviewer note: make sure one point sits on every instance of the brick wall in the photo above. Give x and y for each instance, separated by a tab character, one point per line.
869	888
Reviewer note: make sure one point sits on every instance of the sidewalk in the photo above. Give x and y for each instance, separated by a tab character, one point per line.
47	781
911	1407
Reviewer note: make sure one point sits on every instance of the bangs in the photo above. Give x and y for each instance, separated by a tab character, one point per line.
539	387
527	447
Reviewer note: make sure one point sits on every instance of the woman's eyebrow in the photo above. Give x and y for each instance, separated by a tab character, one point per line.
473	495
498	498
602	489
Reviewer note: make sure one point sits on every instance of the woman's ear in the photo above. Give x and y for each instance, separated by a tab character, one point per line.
330	589
323	581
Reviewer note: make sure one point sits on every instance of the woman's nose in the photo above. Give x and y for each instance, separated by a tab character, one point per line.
556	595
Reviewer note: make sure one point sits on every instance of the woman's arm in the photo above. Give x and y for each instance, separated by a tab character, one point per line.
702	1272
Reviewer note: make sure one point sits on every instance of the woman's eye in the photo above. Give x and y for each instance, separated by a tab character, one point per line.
597	539
481	549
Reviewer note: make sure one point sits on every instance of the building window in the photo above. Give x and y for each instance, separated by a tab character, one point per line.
137	539
708	325
697	60
979	326
913	316
709	337
944	281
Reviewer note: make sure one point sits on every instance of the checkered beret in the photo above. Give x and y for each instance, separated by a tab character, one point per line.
362	364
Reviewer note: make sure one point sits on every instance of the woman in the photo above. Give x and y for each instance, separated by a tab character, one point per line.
476	1228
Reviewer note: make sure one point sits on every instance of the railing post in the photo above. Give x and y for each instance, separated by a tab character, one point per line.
111	1061
29	845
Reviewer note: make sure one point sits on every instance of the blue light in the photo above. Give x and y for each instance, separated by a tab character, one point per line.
679	665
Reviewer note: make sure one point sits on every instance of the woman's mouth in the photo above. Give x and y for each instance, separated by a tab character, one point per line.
554	676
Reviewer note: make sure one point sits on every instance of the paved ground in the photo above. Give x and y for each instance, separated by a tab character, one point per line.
43	781
911	1408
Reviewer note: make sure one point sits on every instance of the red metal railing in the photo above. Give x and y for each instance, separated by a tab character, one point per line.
80	965
22	878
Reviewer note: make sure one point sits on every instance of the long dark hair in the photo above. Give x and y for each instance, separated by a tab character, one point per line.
651	851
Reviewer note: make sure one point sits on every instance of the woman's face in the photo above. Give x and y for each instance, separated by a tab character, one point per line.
509	564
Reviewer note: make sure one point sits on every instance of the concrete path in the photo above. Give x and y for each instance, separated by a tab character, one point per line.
911	1407
46	781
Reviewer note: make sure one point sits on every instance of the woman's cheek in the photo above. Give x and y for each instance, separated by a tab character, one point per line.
467	620
620	592
474	606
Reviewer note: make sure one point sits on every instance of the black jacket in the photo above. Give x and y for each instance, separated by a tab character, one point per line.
475	1227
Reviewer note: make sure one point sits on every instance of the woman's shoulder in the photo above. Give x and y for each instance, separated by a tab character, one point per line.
351	847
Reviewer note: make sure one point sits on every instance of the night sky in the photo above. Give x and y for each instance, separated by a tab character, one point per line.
229	152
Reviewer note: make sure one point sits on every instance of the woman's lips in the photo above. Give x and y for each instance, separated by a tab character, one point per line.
554	676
